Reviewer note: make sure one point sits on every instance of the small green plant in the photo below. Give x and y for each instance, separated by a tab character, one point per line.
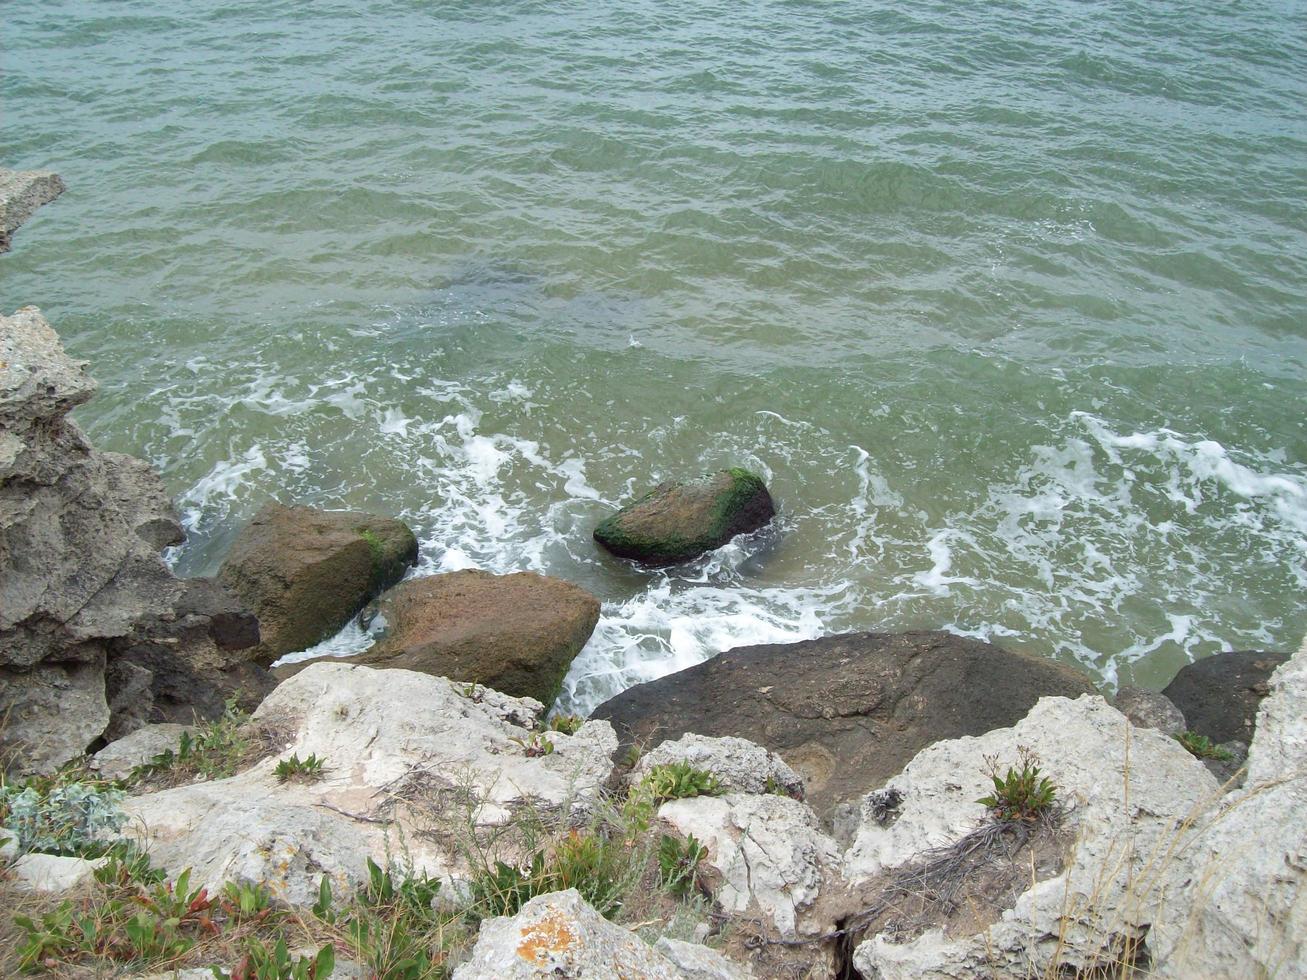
1203	747
678	863
677	781
245	901
262	963
567	724
215	751
630	756
73	818
297	770
535	745
504	888
1022	795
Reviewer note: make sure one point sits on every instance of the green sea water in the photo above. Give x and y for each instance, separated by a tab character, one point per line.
1006	300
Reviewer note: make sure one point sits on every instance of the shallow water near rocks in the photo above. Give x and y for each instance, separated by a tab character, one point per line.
1007	305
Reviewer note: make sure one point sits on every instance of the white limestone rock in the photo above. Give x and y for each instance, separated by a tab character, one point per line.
698	962
769	851
403	752
117	759
740	766
1131	792
51	874
1241	892
559	935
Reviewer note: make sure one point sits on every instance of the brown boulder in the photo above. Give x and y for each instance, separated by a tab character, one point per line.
515	633
305	572
846	712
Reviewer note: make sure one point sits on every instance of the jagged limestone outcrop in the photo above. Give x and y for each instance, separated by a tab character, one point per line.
82	581
411	761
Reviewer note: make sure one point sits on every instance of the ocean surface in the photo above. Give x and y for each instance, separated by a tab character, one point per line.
1006	300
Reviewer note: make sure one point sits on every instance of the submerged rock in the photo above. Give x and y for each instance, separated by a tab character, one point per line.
677	522
1219	695
306	572
82	580
516	633
846	712
21	193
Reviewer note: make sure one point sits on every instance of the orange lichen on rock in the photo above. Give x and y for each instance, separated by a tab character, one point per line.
551	936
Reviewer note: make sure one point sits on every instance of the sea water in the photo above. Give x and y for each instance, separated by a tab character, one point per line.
1005	300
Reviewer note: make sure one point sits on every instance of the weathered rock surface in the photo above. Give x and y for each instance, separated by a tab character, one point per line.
1237	907
677	522
117	759
306	572
21	193
845	712
1219	695
1149	709
559	935
698	962
50	874
516	633
740	766
81	576
770	853
1129	790
411	760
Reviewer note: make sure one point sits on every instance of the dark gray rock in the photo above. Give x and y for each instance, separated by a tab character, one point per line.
1219	695
846	712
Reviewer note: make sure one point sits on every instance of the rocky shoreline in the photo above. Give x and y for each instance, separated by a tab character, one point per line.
832	808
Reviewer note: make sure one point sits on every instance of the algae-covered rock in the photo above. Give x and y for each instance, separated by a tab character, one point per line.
677	522
516	633
305	572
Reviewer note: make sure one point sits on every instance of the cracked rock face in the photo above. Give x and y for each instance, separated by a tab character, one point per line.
1240	906
771	855
82	581
80	533
410	760
1130	792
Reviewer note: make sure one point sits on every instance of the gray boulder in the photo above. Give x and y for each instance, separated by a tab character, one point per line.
21	193
677	522
306	572
845	712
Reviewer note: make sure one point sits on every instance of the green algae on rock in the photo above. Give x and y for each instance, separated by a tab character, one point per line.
677	522
305	572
